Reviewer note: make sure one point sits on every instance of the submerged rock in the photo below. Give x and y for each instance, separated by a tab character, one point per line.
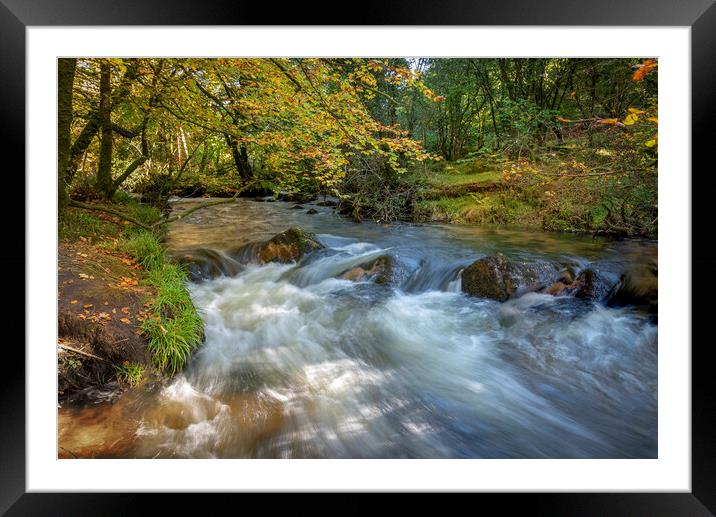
288	246
296	197
500	278
312	211
205	264
379	269
637	287
328	202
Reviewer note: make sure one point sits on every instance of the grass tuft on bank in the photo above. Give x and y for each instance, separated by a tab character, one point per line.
175	328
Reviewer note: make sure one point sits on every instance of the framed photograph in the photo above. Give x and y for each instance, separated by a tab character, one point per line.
415	254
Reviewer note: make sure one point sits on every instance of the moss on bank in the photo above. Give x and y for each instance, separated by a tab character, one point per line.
551	194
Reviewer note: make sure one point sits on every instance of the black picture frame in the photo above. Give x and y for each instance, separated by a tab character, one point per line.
700	15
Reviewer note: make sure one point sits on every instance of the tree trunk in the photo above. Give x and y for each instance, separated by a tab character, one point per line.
104	169
89	131
65	82
241	157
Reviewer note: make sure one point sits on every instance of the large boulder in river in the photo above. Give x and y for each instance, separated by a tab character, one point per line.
288	246
380	270
499	278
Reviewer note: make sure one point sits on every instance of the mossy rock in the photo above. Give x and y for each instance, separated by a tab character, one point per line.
288	246
499	278
489	278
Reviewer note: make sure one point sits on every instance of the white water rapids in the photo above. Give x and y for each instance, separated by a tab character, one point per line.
298	363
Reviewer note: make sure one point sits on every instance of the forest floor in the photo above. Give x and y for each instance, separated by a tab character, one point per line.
472	191
102	302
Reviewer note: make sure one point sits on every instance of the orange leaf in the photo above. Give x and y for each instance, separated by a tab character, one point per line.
643	70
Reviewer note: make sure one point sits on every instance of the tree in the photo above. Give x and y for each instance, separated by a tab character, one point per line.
104	169
65	81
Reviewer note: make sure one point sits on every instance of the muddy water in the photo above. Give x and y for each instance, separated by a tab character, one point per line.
298	363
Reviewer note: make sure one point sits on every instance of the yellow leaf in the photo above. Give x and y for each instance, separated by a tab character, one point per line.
655	120
631	119
653	141
126	321
636	111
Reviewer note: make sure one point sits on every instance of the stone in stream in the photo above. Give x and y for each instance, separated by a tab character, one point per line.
297	207
295	197
589	285
638	287
312	211
379	269
500	278
288	246
205	264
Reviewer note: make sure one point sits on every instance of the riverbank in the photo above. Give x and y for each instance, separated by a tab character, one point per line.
124	315
563	191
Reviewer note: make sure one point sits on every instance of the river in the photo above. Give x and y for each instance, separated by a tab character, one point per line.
298	363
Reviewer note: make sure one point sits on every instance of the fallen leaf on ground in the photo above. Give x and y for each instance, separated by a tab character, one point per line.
73	302
87	305
126	321
125	310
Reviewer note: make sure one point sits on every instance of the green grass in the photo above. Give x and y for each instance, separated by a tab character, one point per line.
171	340
130	373
489	208
175	328
145	247
451	179
78	224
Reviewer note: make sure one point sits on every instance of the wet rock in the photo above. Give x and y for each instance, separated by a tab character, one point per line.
328	202
296	197
205	264
556	288
288	246
312	211
637	287
379	269
297	207
589	285
500	278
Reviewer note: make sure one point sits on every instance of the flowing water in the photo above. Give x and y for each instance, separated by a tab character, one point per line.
299	363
